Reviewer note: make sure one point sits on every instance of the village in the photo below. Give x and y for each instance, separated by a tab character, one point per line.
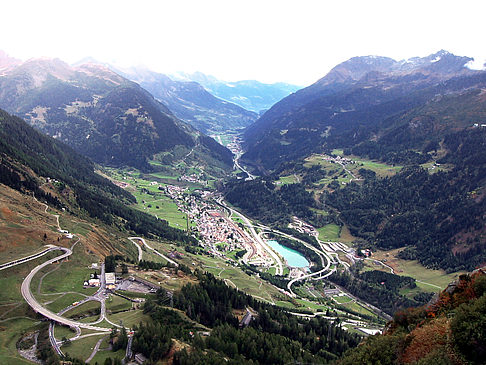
218	233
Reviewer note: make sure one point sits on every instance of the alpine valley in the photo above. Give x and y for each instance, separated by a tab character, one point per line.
157	219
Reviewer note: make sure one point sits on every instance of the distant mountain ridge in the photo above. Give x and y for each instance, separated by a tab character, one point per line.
358	100
98	112
190	102
249	94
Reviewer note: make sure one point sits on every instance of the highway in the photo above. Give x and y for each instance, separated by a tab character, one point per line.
238	166
38	308
27	258
257	238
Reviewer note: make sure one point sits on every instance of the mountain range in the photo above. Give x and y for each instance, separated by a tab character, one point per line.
190	102
249	94
370	99
98	112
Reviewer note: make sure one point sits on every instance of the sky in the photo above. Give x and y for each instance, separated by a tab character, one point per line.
295	41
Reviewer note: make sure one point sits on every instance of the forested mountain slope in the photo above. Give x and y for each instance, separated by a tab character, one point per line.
31	162
450	330
368	99
96	111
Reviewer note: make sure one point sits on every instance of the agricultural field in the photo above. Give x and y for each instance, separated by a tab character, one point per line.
150	198
73	273
62	301
290	179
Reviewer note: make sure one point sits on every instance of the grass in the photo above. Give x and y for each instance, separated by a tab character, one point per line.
234	276
63	331
116	303
285	304
329	232
434	280
311	305
381	169
342	299
73	274
17	252
82	348
11	279
155	202
102	355
8	339
81	309
290	179
64	301
358	308
129	319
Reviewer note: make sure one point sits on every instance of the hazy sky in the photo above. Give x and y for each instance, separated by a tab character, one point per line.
294	41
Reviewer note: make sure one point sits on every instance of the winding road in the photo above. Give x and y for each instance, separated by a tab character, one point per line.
152	249
38	308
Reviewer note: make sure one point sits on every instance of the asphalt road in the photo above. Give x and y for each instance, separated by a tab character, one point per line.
153	249
37	307
28	258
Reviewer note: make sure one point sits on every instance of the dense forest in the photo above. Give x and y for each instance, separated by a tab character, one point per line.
449	331
273	336
262	200
438	216
23	149
380	289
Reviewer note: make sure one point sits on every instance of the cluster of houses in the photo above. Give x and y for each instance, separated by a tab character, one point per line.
66	233
95	282
215	228
338	159
193	178
235	145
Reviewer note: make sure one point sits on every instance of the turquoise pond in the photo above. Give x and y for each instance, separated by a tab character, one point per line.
293	258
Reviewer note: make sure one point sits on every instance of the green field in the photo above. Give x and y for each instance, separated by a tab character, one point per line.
82	309
82	348
8	339
311	305
115	303
432	280
151	200
342	299
73	274
358	308
290	179
63	331
235	277
380	168
129	319
329	232
14	313
64	301
102	355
